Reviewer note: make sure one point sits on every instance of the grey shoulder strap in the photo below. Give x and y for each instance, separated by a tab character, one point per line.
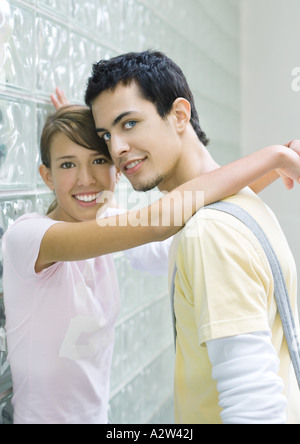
280	290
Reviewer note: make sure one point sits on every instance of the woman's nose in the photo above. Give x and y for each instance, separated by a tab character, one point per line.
85	177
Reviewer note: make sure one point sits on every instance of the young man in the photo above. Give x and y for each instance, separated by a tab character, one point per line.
232	361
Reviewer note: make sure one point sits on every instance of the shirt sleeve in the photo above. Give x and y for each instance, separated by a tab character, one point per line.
222	271
246	370
152	257
22	241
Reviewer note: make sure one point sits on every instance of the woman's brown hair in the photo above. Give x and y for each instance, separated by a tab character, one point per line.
77	123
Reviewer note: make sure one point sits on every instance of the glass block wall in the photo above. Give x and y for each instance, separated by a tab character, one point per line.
49	43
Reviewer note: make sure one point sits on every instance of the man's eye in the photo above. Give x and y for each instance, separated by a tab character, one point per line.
131	124
106	137
67	165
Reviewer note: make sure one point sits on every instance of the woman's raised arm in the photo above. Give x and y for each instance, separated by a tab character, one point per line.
164	218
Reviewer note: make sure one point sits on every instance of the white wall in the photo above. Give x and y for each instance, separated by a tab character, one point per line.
271	109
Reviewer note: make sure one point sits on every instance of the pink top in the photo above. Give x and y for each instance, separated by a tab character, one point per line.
60	330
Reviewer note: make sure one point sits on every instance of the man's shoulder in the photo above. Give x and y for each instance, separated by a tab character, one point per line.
211	223
209	214
245	199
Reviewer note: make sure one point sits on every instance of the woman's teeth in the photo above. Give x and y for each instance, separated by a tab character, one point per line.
87	198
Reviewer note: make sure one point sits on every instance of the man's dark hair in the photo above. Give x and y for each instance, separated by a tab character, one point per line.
160	81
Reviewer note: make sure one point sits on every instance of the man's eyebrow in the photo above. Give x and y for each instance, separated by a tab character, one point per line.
116	121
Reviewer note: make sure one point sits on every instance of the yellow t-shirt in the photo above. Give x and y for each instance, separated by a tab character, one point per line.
223	288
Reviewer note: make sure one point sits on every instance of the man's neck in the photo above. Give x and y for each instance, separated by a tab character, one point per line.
194	161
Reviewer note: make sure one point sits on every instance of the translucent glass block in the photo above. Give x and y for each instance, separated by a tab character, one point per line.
14	208
16	46
130	284
116	408
122	266
84	12
17	146
43	111
163	335
6	412
167	8
152	28
159	376
132	26
109	21
151	337
84	53
146	335
52	56
146	395
126	407
131	347
108	53
152	397
133	401
55	6
1	259
43	202
5	375
165	415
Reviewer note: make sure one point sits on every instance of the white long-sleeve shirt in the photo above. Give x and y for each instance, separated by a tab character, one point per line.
246	370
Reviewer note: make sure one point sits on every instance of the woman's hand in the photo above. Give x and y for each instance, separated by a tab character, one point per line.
289	172
287	169
59	100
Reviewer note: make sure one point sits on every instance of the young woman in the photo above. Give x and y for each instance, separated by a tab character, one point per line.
60	287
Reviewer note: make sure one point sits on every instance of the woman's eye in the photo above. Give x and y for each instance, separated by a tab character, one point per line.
100	161
106	137
130	124
67	165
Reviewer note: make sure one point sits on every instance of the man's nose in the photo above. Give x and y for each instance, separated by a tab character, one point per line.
118	147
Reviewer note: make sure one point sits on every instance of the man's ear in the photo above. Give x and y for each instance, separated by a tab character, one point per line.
182	112
46	176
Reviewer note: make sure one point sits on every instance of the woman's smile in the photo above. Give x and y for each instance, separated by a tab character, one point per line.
87	199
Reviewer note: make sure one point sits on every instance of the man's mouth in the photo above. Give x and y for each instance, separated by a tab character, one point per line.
133	166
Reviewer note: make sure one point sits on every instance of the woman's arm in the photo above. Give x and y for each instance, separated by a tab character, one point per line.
164	218
263	182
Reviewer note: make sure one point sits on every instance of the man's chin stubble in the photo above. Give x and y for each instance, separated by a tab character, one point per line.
143	187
